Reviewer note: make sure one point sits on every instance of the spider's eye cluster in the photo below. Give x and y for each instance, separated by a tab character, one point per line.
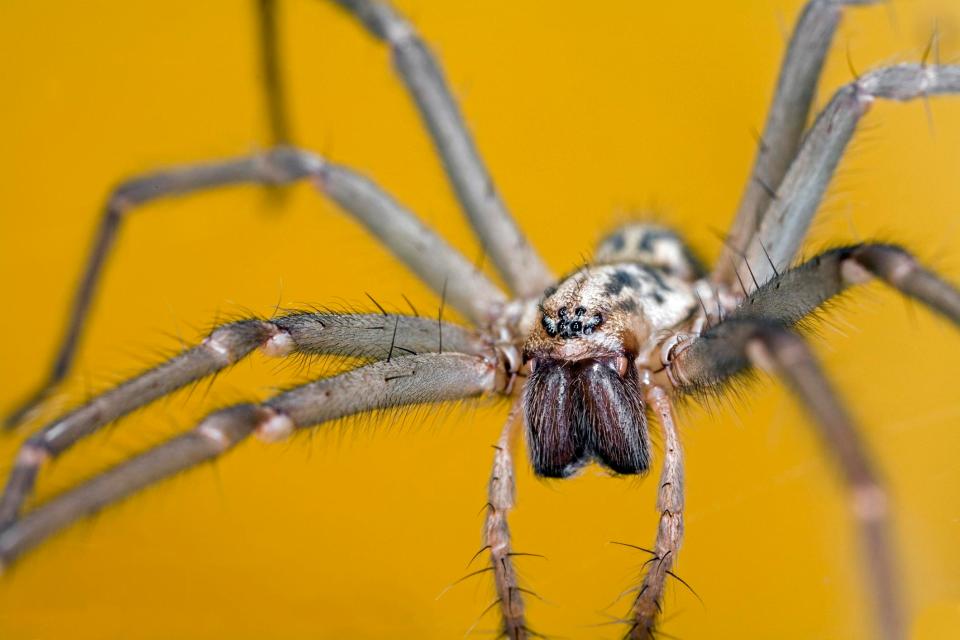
570	324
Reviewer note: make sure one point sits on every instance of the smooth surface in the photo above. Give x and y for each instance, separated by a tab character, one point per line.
582	115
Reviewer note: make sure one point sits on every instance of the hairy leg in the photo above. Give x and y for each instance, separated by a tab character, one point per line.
422	250
402	381
732	346
791	295
353	335
518	263
646	606
786	220
786	120
501	493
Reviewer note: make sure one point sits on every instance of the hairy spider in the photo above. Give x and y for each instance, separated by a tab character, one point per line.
613	340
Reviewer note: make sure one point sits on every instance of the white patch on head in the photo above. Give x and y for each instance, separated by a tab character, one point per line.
652	245
578	311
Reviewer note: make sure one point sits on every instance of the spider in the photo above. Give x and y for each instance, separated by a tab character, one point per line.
585	362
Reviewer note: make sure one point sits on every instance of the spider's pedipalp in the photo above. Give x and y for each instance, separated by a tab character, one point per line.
404	381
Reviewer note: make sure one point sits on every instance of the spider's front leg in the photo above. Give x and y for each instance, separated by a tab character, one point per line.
501	493
646	606
400	381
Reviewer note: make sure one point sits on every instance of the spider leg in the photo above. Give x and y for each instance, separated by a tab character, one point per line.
354	335
501	494
422	250
826	275
787	218
518	263
733	345
402	381
646	606
796	87
270	67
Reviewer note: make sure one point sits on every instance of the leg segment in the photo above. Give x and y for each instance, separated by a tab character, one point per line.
423	251
519	265
737	343
271	68
403	381
786	120
786	220
792	295
496	534
646	607
354	335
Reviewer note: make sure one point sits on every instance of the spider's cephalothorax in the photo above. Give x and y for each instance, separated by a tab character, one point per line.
583	400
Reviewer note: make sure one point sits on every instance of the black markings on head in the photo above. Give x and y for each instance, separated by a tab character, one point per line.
616	241
618	280
628	305
652	235
656	276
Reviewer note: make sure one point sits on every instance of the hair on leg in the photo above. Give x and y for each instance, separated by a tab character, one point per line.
792	295
786	120
353	335
421	249
501	494
518	263
737	343
403	381
647	605
785	222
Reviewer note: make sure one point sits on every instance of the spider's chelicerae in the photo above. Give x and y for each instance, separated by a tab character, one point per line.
590	360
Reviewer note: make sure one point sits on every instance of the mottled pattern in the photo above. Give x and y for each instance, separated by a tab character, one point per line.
655	246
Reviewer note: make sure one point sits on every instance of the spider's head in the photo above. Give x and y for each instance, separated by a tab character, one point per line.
582	401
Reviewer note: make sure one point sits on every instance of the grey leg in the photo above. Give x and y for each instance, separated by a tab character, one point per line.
496	535
272	69
735	344
790	296
519	265
353	335
786	220
422	250
796	87
403	381
646	607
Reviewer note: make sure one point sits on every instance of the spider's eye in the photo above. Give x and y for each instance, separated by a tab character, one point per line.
562	312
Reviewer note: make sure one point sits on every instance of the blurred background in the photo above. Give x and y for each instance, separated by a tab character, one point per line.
584	115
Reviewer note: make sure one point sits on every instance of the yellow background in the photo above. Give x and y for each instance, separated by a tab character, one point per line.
583	111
